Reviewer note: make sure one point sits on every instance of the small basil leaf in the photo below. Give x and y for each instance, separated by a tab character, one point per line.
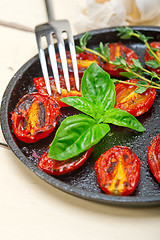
122	118
82	104
97	87
76	134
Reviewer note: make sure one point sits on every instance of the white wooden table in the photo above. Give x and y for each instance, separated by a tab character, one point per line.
31	209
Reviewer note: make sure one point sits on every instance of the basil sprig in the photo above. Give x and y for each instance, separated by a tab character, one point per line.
78	133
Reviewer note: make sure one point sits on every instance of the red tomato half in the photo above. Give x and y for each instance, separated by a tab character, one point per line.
118	171
84	60
41	87
134	103
117	50
34	117
149	58
153	157
54	167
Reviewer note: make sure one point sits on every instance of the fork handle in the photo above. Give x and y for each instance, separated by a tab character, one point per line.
49	8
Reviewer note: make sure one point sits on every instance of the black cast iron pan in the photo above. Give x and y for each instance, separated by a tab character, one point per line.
83	183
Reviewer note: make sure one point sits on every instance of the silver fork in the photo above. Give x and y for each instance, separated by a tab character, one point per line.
56	27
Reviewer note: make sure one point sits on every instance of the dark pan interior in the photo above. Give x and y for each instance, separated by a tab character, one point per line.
83	182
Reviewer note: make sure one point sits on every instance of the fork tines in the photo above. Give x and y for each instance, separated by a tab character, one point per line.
57	27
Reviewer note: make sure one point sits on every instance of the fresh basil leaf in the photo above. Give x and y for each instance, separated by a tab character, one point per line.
122	118
153	64
85	106
76	134
82	104
97	87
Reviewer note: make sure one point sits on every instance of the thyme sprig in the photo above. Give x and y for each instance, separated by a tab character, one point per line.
127	33
134	71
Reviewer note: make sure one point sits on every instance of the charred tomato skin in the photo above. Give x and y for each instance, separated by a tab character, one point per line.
134	103
84	60
118	171
117	50
153	157
57	168
34	117
148	57
41	87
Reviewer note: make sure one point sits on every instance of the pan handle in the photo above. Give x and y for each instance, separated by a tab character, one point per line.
4	145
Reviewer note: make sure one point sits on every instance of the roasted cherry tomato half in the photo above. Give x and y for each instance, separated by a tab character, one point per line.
41	87
54	167
84	60
148	57
118	171
132	102
117	50
34	117
153	157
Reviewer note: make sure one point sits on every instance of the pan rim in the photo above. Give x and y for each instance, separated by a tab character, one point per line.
129	201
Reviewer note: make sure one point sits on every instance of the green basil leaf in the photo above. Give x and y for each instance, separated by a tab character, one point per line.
76	134
82	104
122	118
97	87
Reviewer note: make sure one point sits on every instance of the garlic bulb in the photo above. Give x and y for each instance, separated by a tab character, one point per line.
100	14
139	11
